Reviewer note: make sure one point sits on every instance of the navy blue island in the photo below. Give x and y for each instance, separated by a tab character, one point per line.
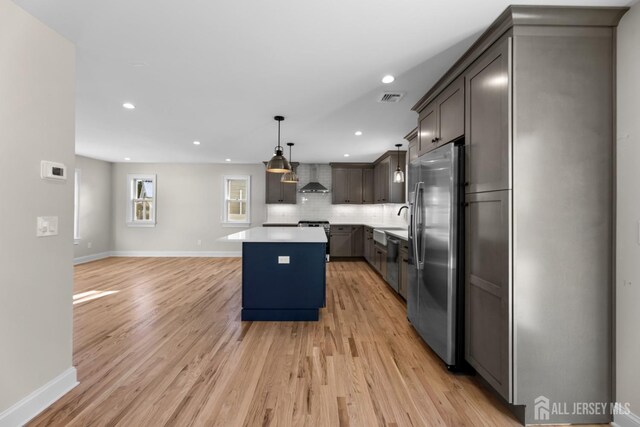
283	273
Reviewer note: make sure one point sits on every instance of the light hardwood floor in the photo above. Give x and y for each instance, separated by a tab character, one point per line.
168	348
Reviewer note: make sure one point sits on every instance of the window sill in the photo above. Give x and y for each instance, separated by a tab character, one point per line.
141	224
236	224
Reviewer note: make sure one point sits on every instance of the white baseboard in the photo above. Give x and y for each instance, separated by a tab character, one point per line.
23	411
158	254
89	258
178	254
626	420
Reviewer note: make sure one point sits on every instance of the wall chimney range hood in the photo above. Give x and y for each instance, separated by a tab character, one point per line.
314	186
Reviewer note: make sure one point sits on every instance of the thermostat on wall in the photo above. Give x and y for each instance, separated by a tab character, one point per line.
52	170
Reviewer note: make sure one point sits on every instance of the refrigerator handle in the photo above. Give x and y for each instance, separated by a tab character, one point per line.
412	212
417	208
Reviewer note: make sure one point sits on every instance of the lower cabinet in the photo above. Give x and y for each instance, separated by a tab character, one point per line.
488	287
403	275
347	241
380	260
368	244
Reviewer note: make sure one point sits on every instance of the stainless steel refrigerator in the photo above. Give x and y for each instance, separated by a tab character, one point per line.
435	301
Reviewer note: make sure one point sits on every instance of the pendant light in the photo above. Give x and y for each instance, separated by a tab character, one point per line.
398	175
278	163
290	177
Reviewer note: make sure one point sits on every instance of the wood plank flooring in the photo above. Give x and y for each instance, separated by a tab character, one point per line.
168	348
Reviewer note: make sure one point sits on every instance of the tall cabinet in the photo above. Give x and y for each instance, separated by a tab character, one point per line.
538	91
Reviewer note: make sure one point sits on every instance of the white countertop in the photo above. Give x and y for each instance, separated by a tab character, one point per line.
400	234
278	234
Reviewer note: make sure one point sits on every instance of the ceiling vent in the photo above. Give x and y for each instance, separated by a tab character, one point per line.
391	97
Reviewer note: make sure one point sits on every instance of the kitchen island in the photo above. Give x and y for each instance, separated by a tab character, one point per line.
283	273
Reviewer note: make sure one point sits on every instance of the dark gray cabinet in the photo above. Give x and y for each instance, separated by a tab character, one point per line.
368	245
427	129
347	185
347	241
341	241
277	192
442	120
380	260
450	109
488	287
413	147
368	195
403	273
387	191
488	150
357	241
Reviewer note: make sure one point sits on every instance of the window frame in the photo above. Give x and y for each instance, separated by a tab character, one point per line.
131	221
224	218
77	176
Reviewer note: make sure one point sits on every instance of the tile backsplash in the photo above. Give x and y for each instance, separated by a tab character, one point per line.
318	206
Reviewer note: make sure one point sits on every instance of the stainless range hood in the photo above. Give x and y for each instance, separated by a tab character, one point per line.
314	186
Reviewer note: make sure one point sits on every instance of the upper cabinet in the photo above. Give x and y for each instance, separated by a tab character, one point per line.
368	189
277	192
487	112
442	120
366	183
387	191
414	146
347	184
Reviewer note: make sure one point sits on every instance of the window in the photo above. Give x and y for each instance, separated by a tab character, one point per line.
237	190
76	206
142	203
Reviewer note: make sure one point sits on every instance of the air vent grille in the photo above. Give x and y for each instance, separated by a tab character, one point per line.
391	97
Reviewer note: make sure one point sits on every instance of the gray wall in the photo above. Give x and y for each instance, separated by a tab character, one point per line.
189	200
628	212
96	235
37	122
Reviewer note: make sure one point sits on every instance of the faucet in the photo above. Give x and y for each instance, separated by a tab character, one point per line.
403	207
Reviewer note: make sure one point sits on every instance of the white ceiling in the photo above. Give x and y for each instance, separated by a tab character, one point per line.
218	71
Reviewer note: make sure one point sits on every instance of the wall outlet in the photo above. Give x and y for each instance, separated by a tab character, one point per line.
47	226
199	242
89	244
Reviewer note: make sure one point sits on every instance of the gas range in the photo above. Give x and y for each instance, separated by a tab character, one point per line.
323	224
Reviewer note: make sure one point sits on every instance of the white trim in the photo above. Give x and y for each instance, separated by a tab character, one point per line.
158	254
178	254
626	420
77	176
24	410
223	219
92	257
129	202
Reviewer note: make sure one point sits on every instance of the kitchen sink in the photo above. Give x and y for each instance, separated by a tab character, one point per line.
380	236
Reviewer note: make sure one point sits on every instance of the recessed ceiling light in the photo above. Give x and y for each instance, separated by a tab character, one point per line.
128	106
127	158
346	155
196	142
227	160
358	132
388	79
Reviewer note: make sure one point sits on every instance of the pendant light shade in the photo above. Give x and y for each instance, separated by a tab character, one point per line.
290	176
278	163
398	175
